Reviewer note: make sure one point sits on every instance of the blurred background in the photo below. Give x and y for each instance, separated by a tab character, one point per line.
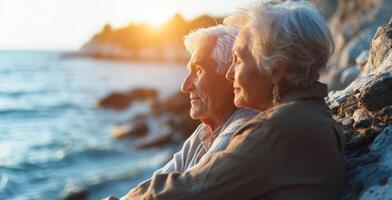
89	90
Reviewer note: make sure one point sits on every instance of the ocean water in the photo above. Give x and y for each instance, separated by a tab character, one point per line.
54	141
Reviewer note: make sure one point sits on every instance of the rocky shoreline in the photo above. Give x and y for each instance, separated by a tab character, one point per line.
167	122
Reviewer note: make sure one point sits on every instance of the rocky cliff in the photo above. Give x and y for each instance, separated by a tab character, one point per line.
353	26
364	107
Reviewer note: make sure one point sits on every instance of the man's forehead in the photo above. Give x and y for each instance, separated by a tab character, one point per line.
203	51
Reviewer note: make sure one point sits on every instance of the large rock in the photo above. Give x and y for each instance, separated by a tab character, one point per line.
137	127
81	195
357	20
378	94
115	100
348	75
353	26
143	93
164	137
355	46
121	100
369	175
176	103
380	56
364	111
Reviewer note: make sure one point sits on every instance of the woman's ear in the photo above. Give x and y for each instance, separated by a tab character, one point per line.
279	71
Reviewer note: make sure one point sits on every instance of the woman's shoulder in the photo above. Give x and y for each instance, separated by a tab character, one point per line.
293	114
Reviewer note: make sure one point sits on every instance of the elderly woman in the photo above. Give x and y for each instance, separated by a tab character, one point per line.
293	148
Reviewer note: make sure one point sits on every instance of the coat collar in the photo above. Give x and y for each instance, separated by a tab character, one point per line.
317	90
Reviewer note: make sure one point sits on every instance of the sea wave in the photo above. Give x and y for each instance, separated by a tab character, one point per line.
40	110
59	157
17	94
90	183
111	178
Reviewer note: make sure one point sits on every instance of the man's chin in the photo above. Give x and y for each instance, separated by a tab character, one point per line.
194	117
194	114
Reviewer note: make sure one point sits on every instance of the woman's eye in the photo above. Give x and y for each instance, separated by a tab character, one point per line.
235	59
238	60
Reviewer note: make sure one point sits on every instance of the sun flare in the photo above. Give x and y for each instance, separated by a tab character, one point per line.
157	18
156	21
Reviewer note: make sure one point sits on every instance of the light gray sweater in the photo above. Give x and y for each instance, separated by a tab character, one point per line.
195	150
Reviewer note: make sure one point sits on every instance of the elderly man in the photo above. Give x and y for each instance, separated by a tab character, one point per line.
292	149
211	96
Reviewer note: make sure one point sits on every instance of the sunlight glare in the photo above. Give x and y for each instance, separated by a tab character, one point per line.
157	18
155	21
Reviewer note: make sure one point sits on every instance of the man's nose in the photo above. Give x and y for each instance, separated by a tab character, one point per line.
187	84
230	73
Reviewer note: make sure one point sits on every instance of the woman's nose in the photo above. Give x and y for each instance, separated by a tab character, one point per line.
230	73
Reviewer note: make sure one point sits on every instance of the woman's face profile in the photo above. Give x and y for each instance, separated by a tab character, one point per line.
252	88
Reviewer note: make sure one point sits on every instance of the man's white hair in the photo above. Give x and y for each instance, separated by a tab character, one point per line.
289	31
221	53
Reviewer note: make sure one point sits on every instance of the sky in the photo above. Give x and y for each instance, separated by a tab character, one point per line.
68	24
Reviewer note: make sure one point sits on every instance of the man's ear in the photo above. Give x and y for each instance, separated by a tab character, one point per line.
279	71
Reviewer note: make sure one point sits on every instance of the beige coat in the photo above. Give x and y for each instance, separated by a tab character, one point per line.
293	151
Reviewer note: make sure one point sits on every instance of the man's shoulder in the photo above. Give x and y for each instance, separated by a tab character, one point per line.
240	117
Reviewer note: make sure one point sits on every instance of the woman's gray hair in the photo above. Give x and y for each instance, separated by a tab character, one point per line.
224	42
287	31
